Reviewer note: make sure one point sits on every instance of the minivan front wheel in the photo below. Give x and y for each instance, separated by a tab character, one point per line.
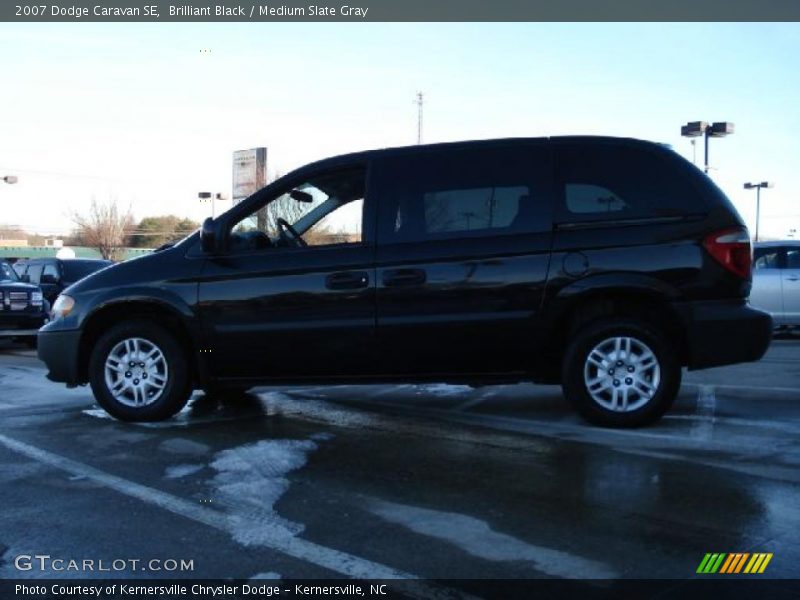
621	373
138	372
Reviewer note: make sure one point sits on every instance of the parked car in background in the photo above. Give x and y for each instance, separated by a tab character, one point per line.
776	281
22	307
602	264
54	275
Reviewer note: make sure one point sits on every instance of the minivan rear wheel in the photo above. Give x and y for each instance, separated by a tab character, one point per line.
138	372
621	373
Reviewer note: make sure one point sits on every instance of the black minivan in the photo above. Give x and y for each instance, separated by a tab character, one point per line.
604	264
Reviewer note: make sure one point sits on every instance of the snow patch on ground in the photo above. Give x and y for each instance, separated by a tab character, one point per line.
443	389
478	539
178	471
249	481
276	403
322	436
184	446
97	413
268	575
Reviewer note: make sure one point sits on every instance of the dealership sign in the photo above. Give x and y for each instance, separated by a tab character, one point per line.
249	172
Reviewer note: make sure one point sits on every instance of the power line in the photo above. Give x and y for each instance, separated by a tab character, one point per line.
420	100
156	181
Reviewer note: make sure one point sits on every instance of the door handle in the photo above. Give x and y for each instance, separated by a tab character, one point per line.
347	280
403	277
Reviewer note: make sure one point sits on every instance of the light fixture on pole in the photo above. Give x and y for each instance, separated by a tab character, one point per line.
695	129
213	198
10	179
757	187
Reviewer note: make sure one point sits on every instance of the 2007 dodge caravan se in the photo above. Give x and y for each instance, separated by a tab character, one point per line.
604	264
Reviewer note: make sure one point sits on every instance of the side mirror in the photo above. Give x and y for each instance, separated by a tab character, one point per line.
301	196
209	238
48	278
25	278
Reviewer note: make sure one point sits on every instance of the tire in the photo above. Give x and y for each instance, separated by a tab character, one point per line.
169	385
631	394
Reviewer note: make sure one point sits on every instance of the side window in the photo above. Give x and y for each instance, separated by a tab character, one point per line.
472	209
614	181
766	258
7	273
793	259
341	226
447	194
586	198
327	209
52	271
35	273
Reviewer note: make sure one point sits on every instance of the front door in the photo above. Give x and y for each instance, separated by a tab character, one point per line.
766	292
292	293
791	286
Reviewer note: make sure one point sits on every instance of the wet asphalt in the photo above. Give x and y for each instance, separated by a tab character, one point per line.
430	481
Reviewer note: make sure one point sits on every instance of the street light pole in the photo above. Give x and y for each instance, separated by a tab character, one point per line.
213	198
695	129
757	187
10	179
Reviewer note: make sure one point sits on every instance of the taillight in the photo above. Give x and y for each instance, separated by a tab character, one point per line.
731	248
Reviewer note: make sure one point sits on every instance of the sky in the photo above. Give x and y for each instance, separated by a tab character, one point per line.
150	114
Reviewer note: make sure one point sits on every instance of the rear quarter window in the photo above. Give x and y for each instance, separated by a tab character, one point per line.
597	182
73	271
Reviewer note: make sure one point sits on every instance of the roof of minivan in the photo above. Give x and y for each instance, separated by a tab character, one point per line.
344	159
773	243
70	260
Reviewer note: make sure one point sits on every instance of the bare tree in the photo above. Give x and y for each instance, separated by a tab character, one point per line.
266	218
105	228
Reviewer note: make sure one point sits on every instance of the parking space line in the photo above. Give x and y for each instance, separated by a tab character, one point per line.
703	427
746	388
283	542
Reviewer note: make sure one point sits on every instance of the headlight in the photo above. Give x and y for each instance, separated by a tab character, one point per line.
62	307
36	298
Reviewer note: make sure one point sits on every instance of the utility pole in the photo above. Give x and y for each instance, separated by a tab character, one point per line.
419	117
758	187
707	130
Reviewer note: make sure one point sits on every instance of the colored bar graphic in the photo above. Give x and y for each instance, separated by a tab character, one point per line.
767	558
727	564
755	562
711	563
734	563
740	562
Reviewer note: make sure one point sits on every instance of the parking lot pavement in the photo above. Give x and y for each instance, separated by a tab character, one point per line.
433	481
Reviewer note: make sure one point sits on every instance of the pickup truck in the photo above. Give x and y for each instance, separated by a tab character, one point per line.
22	307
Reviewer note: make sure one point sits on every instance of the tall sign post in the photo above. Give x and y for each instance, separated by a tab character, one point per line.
249	176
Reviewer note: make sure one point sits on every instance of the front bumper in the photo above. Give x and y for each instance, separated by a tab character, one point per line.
724	333
21	324
59	351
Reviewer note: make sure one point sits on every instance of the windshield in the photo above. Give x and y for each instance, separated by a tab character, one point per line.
7	273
